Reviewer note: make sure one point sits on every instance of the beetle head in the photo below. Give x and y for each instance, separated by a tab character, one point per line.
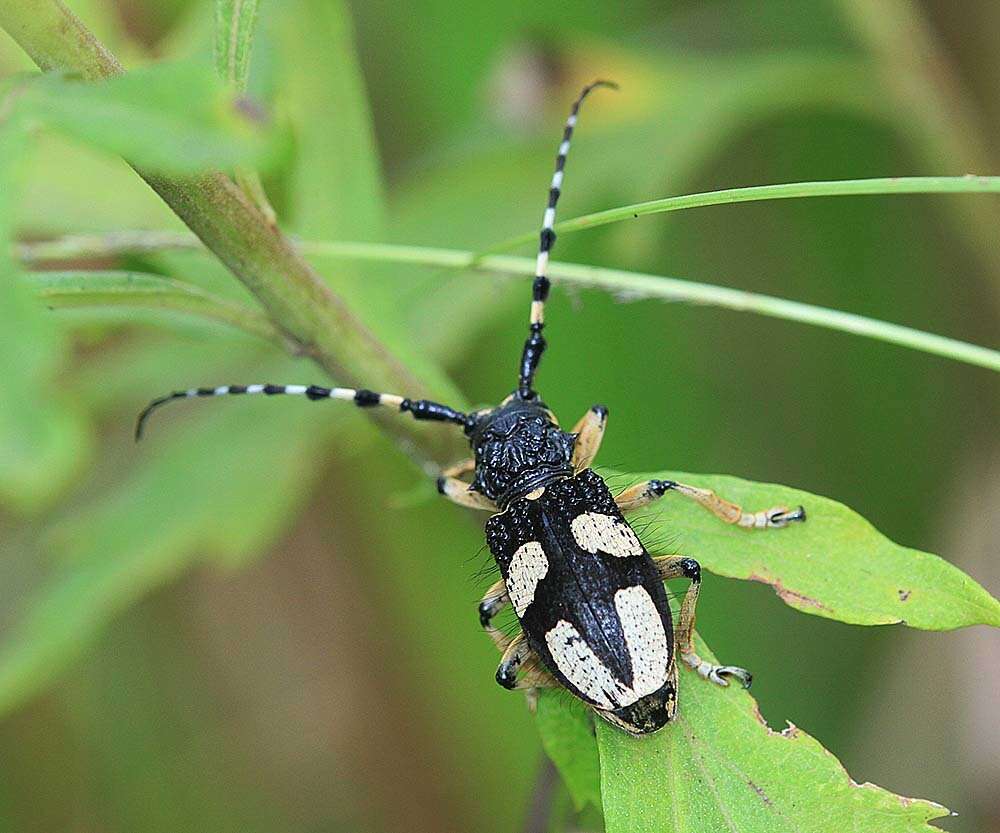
519	447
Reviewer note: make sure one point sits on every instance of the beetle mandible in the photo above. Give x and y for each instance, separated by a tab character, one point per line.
593	611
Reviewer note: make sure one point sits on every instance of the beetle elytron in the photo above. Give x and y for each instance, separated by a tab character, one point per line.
593	611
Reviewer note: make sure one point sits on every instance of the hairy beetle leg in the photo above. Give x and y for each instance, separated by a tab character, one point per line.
517	652
458	491
495	600
642	494
520	658
679	566
589	432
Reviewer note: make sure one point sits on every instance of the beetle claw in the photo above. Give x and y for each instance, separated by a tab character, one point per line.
778	518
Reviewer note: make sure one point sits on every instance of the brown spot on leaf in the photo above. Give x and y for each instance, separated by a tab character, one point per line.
250	109
760	792
792	597
759	716
903	595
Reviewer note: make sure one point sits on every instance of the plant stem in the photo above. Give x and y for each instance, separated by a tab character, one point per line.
968	184
625	283
639	285
103	246
295	298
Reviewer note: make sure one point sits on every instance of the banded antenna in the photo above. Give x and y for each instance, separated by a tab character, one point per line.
421	409
535	344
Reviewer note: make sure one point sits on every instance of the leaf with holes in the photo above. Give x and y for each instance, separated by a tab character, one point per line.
835	565
720	768
717	767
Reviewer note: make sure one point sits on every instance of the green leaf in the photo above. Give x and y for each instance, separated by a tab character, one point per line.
718	767
567	732
226	488
235	21
168	118
42	440
835	565
118	290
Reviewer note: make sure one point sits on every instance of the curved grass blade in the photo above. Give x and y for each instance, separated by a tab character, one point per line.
968	184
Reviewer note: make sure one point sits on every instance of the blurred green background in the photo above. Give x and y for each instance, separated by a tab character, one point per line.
262	620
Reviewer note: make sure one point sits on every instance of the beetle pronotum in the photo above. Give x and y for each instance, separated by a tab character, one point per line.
593	612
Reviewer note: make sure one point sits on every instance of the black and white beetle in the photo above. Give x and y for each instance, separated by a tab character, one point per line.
590	599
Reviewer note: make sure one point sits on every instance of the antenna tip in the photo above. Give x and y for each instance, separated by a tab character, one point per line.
603	82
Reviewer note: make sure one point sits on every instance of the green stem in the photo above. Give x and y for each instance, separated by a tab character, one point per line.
639	285
294	296
63	290
631	284
103	246
969	184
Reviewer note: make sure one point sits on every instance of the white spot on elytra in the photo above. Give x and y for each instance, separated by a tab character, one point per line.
580	665
595	532
528	567
645	638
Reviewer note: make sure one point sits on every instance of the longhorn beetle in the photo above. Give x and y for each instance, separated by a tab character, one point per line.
593	612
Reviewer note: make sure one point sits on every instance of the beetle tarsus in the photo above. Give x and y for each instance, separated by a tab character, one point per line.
717	674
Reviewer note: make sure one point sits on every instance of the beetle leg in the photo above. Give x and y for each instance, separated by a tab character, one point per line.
460	468
519	657
643	494
589	433
495	600
513	658
679	566
457	490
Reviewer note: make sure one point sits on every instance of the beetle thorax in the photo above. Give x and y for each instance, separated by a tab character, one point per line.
519	448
